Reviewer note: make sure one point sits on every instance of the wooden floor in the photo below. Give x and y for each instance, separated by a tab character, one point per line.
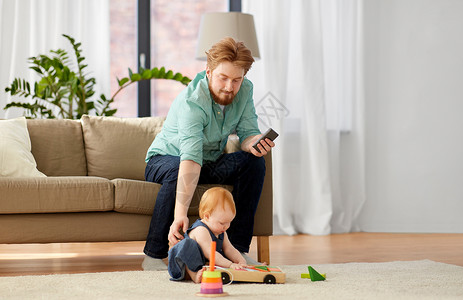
32	259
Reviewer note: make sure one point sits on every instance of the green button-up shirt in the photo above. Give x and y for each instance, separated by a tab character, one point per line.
197	129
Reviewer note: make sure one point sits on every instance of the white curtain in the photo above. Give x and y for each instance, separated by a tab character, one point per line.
32	27
308	87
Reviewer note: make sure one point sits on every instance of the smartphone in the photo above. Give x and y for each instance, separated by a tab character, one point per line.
269	134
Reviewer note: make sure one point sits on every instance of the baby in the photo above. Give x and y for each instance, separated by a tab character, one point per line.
216	211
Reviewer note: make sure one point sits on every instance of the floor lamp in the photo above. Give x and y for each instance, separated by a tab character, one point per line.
218	25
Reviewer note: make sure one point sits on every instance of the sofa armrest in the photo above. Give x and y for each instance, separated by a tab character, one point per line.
263	221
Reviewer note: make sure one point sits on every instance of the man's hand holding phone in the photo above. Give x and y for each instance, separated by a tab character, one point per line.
265	142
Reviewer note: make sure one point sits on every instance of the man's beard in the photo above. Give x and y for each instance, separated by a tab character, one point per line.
226	99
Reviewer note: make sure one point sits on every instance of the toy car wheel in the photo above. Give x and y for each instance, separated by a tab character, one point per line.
225	278
270	279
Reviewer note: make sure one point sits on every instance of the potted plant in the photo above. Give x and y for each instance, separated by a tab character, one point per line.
64	91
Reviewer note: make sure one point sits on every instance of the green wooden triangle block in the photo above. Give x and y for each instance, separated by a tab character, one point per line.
314	275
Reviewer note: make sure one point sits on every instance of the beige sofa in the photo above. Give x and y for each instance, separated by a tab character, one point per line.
95	189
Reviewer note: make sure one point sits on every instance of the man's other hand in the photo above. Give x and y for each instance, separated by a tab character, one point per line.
174	232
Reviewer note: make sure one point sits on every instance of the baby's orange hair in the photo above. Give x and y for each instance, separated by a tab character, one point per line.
214	197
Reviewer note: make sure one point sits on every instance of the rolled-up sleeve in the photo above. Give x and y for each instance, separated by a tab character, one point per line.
191	123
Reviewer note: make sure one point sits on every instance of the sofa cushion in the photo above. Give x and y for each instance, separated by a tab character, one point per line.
134	196
139	197
16	159
55	195
58	147
116	147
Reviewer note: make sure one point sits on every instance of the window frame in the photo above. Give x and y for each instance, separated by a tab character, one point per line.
144	50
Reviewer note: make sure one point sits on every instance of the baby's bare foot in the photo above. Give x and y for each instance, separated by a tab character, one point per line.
199	276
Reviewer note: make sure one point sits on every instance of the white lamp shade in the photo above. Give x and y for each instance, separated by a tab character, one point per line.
218	25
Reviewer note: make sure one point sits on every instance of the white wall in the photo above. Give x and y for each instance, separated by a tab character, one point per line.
414	116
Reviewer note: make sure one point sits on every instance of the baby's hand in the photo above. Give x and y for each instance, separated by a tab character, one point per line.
238	266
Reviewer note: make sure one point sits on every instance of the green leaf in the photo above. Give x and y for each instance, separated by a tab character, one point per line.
178	77
186	80
89	94
36	69
146	74
123	81
135	77
162	72
154	73
110	112
90	106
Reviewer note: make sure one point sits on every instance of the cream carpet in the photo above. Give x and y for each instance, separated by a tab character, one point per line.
423	279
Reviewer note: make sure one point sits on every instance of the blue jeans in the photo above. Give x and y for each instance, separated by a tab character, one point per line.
241	169
186	253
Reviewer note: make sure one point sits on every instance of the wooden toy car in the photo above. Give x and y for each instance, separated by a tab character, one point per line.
265	274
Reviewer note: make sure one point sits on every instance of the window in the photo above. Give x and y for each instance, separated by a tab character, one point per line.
174	30
123	36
